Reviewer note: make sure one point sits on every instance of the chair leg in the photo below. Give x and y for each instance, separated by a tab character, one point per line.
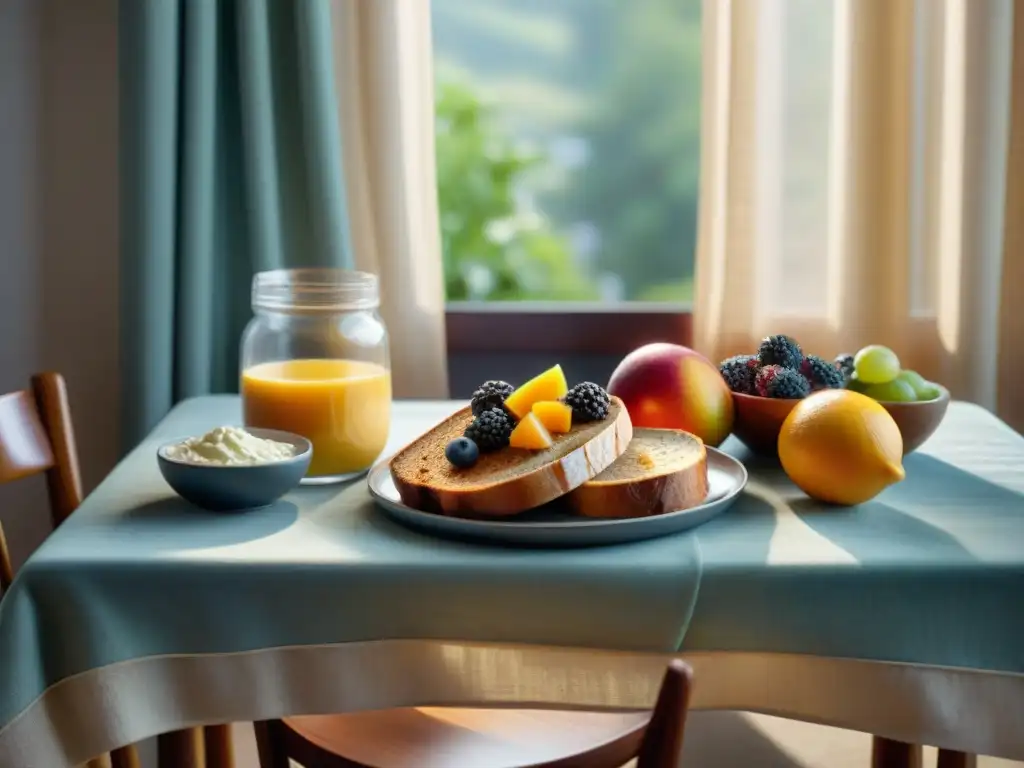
125	757
181	749
270	744
950	759
886	753
220	751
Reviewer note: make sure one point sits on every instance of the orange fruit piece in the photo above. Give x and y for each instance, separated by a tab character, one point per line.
555	416
549	385
841	447
531	434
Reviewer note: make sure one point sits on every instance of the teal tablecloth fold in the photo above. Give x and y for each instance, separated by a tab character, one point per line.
136	572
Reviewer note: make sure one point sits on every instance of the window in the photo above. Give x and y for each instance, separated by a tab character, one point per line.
568	161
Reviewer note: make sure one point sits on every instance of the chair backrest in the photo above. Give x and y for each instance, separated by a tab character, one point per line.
6	566
658	745
36	437
662	745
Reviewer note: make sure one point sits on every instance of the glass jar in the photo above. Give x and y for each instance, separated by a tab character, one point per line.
315	362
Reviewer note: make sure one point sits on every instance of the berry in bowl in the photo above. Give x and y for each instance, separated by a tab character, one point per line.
766	386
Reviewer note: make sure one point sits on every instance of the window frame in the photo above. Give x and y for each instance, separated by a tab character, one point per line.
584	328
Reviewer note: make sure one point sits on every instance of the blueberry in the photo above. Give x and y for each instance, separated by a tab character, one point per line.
462	452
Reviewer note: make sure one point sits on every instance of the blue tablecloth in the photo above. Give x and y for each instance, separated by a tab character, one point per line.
931	572
138	572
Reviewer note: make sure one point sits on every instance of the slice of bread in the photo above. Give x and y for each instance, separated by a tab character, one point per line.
663	470
511	480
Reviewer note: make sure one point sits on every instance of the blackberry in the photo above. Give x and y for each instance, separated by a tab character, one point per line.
845	365
763	377
490	394
784	383
589	402
821	374
780	350
491	429
739	372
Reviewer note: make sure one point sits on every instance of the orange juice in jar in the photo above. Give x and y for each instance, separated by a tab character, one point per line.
315	362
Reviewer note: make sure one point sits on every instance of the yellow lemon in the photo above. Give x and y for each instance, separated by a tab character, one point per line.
841	447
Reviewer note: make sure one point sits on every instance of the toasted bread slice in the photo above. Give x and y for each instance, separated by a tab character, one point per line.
663	470
511	480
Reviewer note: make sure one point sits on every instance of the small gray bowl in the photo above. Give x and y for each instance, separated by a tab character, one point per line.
237	488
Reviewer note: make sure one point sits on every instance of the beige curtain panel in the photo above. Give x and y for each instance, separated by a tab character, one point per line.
862	170
384	75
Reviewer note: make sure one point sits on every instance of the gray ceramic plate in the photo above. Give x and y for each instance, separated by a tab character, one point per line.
553	526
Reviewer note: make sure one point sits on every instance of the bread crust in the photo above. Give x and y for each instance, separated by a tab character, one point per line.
518	494
656	494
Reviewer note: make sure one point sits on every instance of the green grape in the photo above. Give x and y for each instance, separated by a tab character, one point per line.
876	364
924	389
914	379
895	391
856	384
929	391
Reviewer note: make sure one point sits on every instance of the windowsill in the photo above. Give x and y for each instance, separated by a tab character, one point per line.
567	307
563	327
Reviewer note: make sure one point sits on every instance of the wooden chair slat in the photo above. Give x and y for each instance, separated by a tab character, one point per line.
64	478
662	746
6	566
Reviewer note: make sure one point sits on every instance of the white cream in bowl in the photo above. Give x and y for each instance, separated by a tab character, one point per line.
229	447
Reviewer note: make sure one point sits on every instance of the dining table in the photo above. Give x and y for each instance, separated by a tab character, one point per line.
900	617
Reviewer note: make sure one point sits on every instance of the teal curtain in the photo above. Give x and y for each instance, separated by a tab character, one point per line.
230	164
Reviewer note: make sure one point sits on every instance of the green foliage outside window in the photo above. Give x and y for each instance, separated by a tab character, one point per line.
491	250
620	79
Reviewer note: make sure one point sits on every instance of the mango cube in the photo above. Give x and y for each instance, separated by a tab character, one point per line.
549	385
555	416
530	434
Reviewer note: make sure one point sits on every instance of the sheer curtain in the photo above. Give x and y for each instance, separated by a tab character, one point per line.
861	184
384	74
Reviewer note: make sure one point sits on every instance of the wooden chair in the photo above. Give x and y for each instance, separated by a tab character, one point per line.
37	437
443	737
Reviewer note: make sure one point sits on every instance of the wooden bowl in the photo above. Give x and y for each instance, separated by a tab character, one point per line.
918	421
758	421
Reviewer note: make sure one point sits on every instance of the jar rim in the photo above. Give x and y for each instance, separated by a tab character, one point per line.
315	289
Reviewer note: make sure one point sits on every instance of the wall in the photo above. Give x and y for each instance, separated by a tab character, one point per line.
59	230
58	225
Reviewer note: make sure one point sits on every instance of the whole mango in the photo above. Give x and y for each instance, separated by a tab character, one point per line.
669	386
